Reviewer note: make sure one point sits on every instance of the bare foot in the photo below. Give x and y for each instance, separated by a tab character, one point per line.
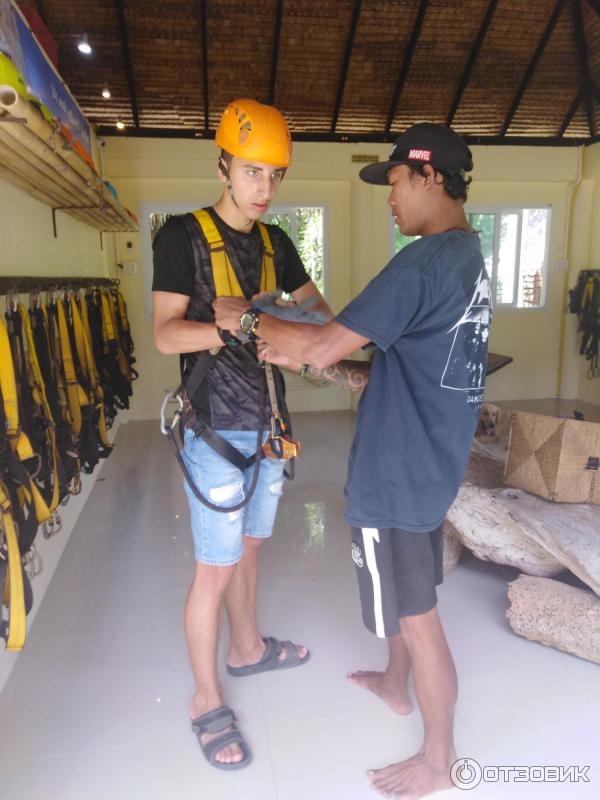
411	779
230	754
377	683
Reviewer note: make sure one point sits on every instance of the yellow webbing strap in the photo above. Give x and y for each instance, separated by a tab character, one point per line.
121	357
225	279
14	585
18	441
108	329
92	372
75	395
78	335
40	388
123	311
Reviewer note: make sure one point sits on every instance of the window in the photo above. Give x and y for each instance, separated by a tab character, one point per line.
305	227
514	242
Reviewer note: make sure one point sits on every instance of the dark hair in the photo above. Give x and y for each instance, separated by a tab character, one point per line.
456	184
226	157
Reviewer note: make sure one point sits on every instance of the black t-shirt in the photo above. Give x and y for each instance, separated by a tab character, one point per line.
174	258
229	398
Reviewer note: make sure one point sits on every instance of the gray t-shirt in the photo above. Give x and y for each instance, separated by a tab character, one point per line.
427	315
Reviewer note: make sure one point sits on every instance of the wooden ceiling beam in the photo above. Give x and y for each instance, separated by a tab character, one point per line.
364	138
472	59
539	51
275	53
595	4
120	5
202	15
408	56
584	67
345	64
570	114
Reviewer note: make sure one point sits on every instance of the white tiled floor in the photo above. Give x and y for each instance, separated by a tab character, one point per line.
96	706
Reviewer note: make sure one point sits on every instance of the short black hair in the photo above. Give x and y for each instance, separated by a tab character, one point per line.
456	184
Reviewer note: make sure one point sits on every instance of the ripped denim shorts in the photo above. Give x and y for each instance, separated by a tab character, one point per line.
219	537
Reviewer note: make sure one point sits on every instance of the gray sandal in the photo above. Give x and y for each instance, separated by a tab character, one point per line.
271	661
219	720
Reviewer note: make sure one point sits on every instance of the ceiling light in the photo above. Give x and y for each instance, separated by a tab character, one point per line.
106	92
84	46
120	125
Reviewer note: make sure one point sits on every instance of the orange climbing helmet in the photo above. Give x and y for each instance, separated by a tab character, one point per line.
249	129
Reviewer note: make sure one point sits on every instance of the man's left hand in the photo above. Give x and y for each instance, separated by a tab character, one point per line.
228	311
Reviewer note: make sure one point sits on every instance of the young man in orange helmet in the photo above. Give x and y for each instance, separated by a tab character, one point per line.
426	316
255	153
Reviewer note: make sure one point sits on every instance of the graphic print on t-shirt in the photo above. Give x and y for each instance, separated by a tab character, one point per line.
466	365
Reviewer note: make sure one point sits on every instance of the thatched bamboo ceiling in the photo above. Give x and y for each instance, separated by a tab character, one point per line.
339	69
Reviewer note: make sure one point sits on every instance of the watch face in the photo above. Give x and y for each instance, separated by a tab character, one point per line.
247	321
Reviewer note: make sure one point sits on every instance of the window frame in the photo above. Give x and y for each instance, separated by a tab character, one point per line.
285	208
513	208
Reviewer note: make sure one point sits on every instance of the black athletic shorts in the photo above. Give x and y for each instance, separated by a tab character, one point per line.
397	574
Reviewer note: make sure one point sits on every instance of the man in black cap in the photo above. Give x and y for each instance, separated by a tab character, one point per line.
426	317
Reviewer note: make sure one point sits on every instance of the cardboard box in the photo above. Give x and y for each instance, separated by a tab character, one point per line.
558	459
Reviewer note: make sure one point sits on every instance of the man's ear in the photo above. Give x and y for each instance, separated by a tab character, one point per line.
429	175
222	171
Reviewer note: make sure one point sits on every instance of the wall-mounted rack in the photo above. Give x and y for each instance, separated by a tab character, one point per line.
35	157
19	284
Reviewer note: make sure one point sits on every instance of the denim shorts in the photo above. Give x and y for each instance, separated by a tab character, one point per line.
219	536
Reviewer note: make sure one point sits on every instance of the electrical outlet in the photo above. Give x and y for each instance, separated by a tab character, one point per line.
130	267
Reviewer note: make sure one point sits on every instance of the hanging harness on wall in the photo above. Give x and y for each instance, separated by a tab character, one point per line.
584	300
53	422
279	444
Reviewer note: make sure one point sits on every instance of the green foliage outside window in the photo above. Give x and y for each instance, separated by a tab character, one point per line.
304	226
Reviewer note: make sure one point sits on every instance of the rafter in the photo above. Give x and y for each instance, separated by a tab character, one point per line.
472	59
539	51
408	56
202	14
127	59
570	114
595	4
345	64
275	53
584	68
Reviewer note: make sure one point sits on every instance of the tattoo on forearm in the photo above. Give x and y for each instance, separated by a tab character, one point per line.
353	375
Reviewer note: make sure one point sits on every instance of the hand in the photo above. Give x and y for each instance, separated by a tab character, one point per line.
228	311
268	353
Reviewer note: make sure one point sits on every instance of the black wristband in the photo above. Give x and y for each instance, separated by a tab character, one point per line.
227	337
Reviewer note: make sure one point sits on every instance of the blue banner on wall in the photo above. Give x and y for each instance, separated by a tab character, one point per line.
44	83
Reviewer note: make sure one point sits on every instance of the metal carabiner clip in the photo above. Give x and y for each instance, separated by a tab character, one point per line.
171	397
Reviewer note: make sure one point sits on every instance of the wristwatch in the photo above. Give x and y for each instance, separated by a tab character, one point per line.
249	321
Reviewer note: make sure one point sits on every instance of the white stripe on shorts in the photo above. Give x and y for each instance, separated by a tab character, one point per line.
370	536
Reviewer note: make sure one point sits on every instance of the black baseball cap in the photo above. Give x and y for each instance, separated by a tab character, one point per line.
424	143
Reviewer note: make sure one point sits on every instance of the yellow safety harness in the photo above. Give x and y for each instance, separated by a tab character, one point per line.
224	277
279	445
56	369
